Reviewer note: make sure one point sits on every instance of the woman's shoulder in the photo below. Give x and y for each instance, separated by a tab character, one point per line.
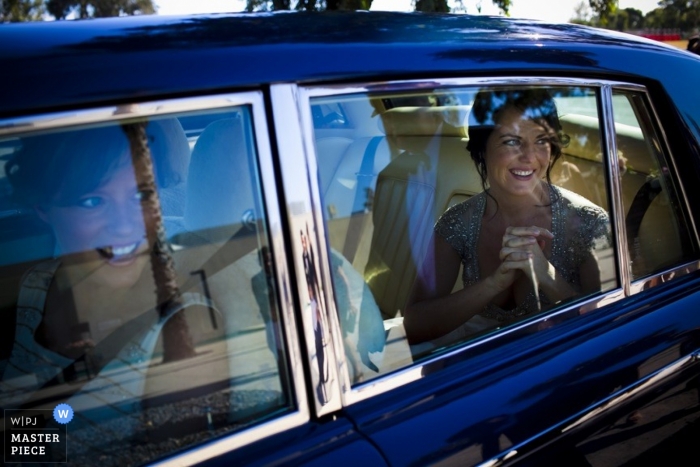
459	224
583	219
579	204
464	208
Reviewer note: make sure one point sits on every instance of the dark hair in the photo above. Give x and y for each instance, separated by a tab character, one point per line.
489	105
75	162
78	161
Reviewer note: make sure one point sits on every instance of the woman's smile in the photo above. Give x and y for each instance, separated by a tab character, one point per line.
122	255
522	174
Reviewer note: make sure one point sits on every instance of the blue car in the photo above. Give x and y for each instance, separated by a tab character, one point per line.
347	239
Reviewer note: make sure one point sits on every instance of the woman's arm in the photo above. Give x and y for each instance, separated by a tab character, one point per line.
554	285
432	311
593	225
590	274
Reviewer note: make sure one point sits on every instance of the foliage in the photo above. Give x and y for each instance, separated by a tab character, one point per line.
605	9
307	5
503	5
680	14
442	6
432	6
629	19
582	14
60	9
348	4
634	20
21	10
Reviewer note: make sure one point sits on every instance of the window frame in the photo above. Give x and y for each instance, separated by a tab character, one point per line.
625	288
643	283
299	410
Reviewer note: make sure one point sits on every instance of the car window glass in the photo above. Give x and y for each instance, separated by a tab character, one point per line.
407	163
657	232
138	285
328	115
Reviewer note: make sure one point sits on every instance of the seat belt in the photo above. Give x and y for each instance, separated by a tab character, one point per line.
641	202
364	185
633	222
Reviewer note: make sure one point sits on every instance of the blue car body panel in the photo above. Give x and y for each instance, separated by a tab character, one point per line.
521	389
328	442
537	383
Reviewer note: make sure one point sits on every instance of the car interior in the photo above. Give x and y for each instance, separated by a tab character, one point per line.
388	171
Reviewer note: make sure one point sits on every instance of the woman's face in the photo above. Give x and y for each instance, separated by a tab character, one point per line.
101	233
518	152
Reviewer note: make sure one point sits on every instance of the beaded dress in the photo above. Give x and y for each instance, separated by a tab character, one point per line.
579	228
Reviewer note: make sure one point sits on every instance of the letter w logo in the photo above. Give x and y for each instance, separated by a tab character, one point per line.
63	413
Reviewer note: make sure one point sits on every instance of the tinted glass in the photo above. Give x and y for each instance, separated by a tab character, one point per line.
657	231
138	285
388	182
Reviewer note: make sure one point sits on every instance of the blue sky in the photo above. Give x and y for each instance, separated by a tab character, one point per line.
546	10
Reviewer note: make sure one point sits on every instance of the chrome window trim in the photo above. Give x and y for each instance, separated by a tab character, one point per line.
342	369
299	411
666	275
402	376
116	113
640	284
276	233
306	92
609	403
613	177
301	194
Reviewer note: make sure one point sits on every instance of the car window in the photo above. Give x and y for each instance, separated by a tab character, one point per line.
138	284
408	188
658	234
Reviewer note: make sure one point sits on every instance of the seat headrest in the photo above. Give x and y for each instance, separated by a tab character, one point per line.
220	189
168	142
426	121
171	154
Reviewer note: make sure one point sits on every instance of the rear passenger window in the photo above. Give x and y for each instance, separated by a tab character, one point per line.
138	284
423	190
658	236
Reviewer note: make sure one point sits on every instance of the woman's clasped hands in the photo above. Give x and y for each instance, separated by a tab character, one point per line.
523	250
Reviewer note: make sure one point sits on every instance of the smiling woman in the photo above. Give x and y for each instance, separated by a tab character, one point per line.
524	244
82	186
115	318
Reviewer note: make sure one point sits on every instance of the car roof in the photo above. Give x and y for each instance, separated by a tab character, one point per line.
60	64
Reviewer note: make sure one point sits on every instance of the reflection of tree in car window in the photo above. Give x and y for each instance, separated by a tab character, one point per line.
93	303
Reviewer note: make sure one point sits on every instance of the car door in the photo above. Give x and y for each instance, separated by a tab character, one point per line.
547	387
169	210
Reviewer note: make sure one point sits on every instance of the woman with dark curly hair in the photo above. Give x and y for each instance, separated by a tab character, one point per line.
523	243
